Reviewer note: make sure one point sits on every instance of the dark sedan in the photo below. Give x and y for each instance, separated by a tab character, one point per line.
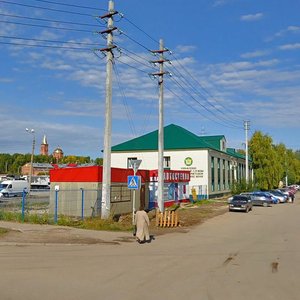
240	203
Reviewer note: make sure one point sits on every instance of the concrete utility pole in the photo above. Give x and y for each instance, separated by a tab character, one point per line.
106	178
160	75
247	127
31	159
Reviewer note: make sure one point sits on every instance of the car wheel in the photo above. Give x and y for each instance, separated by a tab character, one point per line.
265	204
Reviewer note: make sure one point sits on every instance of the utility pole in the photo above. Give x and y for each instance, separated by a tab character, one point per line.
106	175
31	159
160	75
247	127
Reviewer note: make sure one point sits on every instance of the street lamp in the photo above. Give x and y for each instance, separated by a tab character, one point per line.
31	131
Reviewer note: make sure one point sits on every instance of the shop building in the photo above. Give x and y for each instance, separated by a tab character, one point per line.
213	166
77	191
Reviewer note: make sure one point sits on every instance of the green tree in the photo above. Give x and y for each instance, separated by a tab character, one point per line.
263	156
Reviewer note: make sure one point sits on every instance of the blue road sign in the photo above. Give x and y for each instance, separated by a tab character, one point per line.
133	182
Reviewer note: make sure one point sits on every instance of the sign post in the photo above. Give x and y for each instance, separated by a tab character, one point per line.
134	183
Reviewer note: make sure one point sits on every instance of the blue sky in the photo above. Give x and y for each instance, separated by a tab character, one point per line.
230	60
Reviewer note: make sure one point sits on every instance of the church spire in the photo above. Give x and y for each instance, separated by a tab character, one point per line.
44	146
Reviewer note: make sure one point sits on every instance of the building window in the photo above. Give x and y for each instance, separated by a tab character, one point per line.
167	162
129	159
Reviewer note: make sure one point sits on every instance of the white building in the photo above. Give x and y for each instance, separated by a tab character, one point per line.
214	167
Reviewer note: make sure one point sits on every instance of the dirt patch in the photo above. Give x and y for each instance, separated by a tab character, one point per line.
191	215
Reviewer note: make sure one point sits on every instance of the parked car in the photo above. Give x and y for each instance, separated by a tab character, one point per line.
240	203
260	198
275	199
285	192
282	197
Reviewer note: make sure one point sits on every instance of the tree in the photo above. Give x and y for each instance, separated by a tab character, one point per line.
272	163
263	156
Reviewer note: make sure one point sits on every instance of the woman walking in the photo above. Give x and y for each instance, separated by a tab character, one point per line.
142	226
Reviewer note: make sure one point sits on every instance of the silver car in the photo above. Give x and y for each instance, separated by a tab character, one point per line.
240	203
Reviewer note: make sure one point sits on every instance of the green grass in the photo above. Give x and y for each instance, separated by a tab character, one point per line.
88	223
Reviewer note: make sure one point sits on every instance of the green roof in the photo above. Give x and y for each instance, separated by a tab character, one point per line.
175	138
233	152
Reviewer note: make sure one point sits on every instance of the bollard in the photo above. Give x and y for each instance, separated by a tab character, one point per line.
56	206
82	203
23	204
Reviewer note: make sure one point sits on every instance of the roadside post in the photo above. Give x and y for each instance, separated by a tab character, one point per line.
134	183
56	203
23	203
82	203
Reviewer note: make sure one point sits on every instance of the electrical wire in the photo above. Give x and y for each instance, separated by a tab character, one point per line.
48	20
47	46
192	87
238	118
124	99
131	66
135	41
203	106
134	54
186	103
46	26
70	5
137	27
136	60
47	41
45	8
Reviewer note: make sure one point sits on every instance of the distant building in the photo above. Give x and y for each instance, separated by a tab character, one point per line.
37	169
44	147
58	154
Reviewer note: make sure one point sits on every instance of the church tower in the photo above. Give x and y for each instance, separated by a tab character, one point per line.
44	146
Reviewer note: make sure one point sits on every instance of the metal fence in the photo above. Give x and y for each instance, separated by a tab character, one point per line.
55	204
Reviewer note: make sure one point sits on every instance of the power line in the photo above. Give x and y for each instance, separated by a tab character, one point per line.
137	27
124	99
131	66
135	41
46	46
46	26
211	112
47	41
192	87
131	57
46	8
134	54
48	20
198	83
71	5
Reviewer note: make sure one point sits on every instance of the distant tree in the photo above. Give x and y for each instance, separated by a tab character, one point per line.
99	161
263	156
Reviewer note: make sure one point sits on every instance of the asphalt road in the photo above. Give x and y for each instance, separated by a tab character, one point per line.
233	256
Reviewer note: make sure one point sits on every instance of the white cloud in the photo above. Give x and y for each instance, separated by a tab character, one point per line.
218	3
6	80
254	54
252	17
290	46
289	29
185	48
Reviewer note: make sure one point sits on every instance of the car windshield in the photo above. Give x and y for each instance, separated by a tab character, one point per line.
237	198
3	186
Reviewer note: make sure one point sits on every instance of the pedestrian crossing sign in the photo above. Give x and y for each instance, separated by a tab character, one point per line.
133	182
